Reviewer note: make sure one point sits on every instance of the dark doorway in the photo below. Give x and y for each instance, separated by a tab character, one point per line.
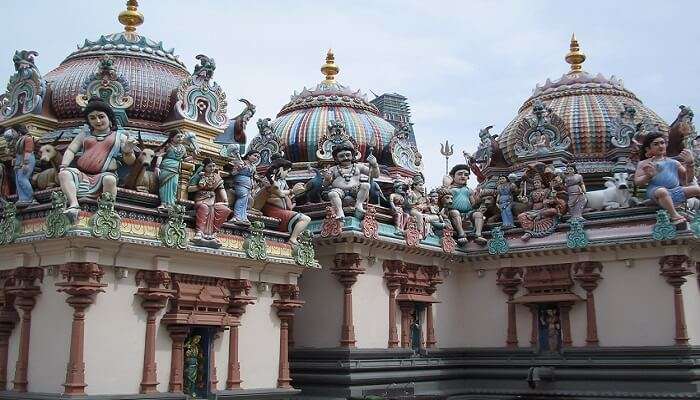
196	362
417	327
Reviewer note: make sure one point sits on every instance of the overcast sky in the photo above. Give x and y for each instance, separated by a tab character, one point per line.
462	65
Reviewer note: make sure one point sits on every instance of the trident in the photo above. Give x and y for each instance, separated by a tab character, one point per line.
446	149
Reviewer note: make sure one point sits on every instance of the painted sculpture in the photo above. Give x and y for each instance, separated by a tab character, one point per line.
463	203
24	161
104	149
575	190
398	204
276	200
177	148
348	179
664	177
505	194
210	203
240	184
547	206
194	365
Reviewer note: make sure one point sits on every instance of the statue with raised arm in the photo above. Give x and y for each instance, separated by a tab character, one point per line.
348	178
104	148
668	181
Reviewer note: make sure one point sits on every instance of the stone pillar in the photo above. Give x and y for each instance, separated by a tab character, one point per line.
565	321
587	274
393	275
675	269
21	285
286	306
239	289
155	295
178	334
406	309
509	279
82	283
8	319
346	269
430	340
534	329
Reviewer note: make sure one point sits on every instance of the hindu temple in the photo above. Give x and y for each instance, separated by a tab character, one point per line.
153	247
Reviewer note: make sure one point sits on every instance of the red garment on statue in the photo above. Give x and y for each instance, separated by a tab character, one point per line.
210	218
287	217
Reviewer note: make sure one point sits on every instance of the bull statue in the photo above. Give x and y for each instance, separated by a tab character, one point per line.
141	176
48	155
615	195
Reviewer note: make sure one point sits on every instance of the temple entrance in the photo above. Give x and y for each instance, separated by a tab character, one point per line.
417	326
196	373
549	323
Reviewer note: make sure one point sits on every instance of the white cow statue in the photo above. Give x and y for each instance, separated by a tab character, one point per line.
615	195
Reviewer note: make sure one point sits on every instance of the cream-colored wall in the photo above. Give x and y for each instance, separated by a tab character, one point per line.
691	301
484	310
370	303
259	341
634	306
13	346
578	320
115	329
318	323
448	316
523	318
220	349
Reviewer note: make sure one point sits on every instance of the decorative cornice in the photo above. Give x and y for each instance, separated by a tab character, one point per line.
587	274
82	280
509	278
675	268
289	300
157	289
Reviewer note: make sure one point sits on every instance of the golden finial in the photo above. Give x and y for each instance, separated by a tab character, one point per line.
131	17
575	57
329	68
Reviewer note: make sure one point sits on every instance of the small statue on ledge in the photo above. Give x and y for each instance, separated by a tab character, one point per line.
667	180
576	191
504	201
104	149
276	200
348	178
178	148
18	136
210	203
240	184
463	205
397	202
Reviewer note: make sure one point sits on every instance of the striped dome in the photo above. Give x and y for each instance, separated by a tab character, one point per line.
589	106
304	120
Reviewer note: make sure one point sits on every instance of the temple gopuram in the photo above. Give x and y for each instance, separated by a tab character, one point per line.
152	247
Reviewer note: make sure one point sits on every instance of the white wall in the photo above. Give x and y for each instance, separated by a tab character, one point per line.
220	349
259	341
370	303
691	301
115	329
634	305
484	310
448	317
318	323
523	317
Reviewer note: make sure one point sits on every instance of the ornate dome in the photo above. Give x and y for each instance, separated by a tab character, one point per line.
304	120
149	71
591	111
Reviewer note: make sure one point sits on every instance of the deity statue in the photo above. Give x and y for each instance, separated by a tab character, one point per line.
169	160
504	200
210	203
104	149
664	176
194	365
547	207
347	178
276	200
550	321
464	201
240	184
575	190
23	144
399	206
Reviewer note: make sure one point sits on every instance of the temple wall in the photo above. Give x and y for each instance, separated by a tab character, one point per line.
220	348
49	340
449	319
523	318
258	344
318	323
578	319
691	301
634	306
115	329
370	300
484	310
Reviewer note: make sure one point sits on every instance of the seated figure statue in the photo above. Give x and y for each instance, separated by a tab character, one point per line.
210	204
464	201
104	149
664	176
348	178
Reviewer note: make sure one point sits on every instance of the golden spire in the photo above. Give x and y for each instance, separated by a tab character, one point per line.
131	17
575	57
329	69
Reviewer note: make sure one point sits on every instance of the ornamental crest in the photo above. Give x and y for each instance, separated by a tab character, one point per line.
335	135
255	246
663	229
405	154
266	142
111	88
370	226
541	133
623	129
199	98
57	223
173	233
106	223
304	253
10	225
332	226
497	245
26	89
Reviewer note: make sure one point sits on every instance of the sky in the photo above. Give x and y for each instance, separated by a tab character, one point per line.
462	65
